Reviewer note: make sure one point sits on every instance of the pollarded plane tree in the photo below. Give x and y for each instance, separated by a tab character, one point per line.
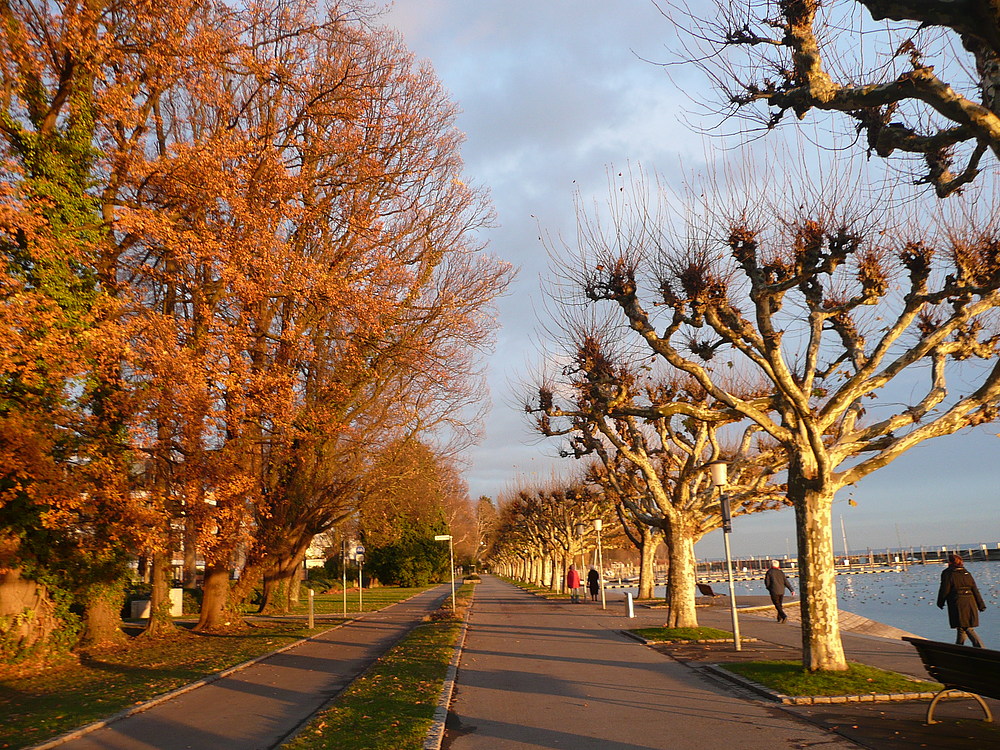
913	77
525	539
834	311
617	483
559	520
667	431
506	545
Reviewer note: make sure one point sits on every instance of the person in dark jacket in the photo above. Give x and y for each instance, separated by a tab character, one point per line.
958	590
594	583
776	582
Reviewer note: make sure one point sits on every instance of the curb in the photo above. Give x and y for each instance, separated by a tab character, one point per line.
435	735
649	642
810	700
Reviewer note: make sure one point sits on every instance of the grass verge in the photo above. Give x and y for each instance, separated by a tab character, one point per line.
789	678
49	702
392	705
682	634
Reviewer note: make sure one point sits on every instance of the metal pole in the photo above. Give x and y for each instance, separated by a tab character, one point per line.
732	593
312	617
843	532
361	568
343	561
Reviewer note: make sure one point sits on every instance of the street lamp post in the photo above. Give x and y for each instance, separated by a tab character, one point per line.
451	559
720	479
598	525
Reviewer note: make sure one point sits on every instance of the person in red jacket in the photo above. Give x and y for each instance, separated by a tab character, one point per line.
958	590
573	583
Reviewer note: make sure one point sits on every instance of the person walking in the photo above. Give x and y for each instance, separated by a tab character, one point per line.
775	581
959	591
594	583
573	583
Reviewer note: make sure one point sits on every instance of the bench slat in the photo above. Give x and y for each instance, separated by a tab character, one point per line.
974	670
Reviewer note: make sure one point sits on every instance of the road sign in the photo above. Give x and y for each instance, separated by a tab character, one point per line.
359	551
442	537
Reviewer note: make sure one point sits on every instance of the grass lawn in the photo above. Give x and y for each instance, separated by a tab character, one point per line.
789	678
392	705
371	599
682	634
52	701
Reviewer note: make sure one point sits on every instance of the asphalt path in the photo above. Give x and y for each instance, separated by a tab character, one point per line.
538	674
259	706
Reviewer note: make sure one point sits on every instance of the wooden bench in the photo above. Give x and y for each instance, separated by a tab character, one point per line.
974	672
705	589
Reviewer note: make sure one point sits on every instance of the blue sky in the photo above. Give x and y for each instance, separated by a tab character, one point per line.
555	93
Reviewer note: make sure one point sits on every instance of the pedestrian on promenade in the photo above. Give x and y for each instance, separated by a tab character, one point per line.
573	583
594	583
776	582
958	590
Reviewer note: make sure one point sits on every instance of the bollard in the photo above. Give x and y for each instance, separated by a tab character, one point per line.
628	603
312	619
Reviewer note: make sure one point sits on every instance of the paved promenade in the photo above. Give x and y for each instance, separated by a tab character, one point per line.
551	674
256	707
536	674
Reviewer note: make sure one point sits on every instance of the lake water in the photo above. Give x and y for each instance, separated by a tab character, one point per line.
905	599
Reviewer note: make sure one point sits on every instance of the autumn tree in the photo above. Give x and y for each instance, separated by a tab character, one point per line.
837	312
414	500
655	438
916	78
255	221
71	109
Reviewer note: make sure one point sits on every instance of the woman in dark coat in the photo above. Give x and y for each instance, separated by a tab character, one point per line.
594	583
958	590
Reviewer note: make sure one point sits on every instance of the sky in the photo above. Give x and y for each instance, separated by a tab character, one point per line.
555	95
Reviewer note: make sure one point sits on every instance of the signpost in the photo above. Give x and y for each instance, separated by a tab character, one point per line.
720	479
451	559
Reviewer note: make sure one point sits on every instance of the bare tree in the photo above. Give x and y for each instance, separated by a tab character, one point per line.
892	66
841	314
655	439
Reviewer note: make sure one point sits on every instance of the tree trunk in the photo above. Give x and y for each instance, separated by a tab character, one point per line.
102	615
822	648
189	577
647	554
279	577
215	614
241	593
160	621
681	578
30	617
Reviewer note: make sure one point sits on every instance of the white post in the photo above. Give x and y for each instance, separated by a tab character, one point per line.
361	568
628	604
312	618
451	558
343	565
